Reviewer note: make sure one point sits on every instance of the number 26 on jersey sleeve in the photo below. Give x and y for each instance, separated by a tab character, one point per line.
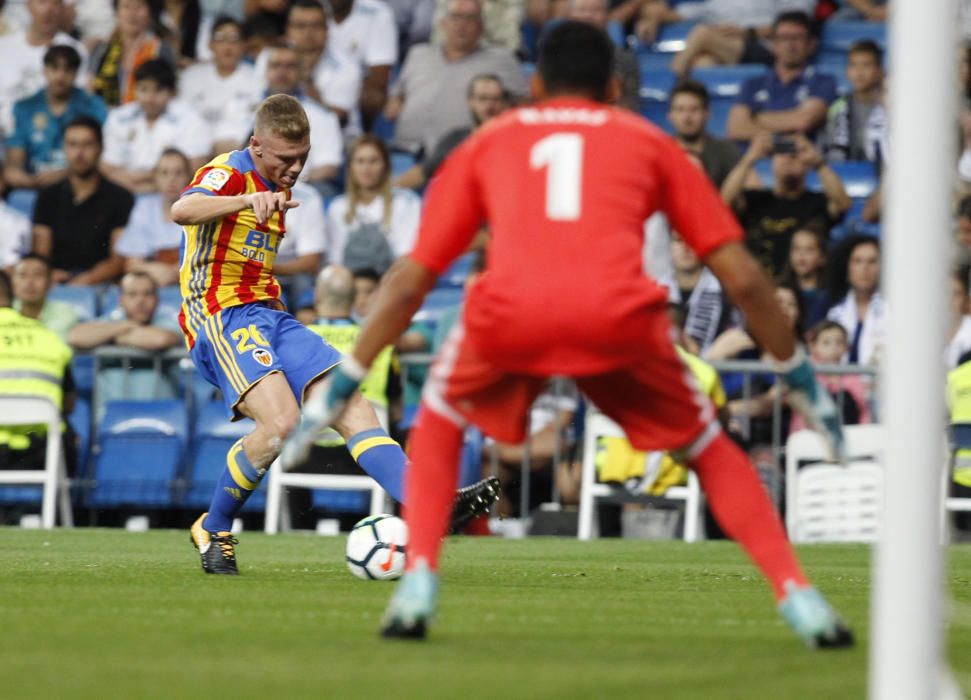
562	156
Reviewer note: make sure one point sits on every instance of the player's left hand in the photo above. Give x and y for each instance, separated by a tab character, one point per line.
814	403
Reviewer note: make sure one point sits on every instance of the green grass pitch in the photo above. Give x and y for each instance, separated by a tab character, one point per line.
111	614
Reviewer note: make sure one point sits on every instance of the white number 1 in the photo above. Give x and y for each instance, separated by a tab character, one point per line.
562	155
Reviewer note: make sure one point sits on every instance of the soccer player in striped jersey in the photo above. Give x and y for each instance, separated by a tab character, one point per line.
242	340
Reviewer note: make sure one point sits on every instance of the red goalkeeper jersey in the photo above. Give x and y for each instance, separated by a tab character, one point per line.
565	187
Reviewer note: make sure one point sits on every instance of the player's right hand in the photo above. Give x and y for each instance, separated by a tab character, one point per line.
814	404
264	204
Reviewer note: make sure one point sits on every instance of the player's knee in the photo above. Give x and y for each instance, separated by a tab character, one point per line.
280	426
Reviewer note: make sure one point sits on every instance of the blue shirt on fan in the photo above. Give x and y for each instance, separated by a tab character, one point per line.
41	134
767	93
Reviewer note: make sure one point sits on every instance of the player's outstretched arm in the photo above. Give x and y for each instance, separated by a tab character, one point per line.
750	288
199	208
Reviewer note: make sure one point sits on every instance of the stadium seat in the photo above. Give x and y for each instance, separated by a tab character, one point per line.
23	201
82	369
597	425
726	81
454	276
401	161
83	299
80	420
672	37
834	503
718	119
141	446
656	85
838	37
436	303
650	63
213	436
657	113
50	483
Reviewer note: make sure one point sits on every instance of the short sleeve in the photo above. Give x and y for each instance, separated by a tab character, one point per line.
133	242
693	207
405	218
453	211
340	88
336	231
20	138
196	136
326	141
121	208
114	140
382	48
220	180
306	223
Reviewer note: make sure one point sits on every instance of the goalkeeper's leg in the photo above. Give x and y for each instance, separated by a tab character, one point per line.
745	513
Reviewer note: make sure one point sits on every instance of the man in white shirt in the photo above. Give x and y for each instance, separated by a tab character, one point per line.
227	80
365	30
137	133
22	55
301	253
326	142
331	78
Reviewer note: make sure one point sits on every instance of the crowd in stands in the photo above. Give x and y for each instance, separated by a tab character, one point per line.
107	108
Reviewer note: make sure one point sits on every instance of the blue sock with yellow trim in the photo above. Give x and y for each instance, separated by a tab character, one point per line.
238	480
381	457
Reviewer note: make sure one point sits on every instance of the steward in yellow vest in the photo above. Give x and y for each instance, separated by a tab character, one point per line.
33	363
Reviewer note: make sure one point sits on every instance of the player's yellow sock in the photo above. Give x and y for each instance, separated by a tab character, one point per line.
238	480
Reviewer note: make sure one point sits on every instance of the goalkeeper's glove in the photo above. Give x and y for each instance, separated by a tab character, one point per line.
813	402
322	410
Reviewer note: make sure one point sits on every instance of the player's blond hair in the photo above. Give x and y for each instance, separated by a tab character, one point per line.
282	115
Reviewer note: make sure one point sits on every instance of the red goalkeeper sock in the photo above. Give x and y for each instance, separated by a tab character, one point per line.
434	447
745	513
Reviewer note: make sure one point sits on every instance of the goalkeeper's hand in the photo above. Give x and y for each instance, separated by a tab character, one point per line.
322	410
813	403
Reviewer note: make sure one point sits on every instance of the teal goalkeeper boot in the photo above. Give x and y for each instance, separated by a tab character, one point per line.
813	619
412	605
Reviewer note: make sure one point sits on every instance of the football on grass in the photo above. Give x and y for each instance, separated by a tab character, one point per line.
376	548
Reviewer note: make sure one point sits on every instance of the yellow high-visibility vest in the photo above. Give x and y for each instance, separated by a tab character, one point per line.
32	363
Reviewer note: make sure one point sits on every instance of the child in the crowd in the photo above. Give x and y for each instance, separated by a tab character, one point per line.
804	272
828	345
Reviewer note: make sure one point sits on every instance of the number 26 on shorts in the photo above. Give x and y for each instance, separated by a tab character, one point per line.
248	338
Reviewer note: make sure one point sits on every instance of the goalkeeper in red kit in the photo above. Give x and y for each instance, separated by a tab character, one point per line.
565	186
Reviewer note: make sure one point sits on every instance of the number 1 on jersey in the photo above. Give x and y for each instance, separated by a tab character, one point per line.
562	156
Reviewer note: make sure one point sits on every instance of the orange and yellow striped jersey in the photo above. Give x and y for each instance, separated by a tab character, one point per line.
229	261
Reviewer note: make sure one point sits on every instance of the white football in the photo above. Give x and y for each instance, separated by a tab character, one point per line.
376	548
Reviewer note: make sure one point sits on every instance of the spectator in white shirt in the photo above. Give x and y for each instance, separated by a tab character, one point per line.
301	252
22	55
365	30
326	142
372	224
331	78
136	134
215	88
151	240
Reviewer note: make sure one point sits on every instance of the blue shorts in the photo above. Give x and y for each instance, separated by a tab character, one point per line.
240	345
